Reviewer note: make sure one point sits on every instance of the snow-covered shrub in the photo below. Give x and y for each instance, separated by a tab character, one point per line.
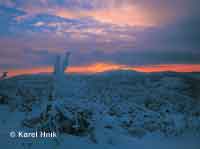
62	118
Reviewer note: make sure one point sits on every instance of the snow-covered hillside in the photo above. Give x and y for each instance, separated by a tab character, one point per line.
120	109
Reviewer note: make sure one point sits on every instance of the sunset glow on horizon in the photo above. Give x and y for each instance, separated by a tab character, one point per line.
103	67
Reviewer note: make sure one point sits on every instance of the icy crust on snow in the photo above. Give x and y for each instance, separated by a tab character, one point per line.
110	110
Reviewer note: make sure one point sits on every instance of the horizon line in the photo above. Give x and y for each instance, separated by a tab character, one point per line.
104	67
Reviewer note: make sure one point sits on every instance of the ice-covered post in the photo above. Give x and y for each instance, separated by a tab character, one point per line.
60	66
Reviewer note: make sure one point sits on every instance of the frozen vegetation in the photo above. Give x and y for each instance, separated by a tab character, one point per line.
111	110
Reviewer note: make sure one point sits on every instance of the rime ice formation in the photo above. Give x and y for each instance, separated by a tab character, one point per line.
60	66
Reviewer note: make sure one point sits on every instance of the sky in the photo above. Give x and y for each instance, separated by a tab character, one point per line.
128	33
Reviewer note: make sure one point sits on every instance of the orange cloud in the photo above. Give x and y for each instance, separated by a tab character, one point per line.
122	16
128	12
102	67
127	15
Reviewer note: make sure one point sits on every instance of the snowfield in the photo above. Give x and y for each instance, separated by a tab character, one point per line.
110	110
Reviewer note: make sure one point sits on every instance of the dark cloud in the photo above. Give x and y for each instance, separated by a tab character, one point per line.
182	35
137	57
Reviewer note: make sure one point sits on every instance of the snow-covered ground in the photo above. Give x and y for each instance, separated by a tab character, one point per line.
111	110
